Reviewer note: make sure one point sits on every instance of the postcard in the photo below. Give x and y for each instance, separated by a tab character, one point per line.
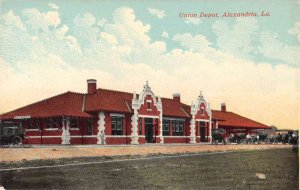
125	94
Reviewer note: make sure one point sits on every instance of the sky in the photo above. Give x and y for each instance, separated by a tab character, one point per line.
250	63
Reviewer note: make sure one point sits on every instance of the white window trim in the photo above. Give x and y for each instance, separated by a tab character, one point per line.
116	115
52	129
173	118
74	129
204	120
149	116
32	130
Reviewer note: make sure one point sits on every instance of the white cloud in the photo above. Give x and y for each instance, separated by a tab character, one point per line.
121	55
192	20
101	22
193	43
38	20
158	13
272	48
165	34
296	30
236	39
53	6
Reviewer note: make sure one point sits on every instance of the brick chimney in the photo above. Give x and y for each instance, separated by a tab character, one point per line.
91	86
176	97
223	107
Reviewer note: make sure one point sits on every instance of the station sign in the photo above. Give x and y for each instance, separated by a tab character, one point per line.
22	117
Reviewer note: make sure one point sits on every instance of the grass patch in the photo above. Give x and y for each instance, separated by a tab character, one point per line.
235	170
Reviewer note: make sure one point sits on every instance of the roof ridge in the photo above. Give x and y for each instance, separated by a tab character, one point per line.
114	90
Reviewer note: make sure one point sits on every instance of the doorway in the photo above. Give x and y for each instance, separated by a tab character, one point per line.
202	131
149	130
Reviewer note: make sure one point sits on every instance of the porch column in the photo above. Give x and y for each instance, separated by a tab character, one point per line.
134	128
193	131
65	136
160	129
101	138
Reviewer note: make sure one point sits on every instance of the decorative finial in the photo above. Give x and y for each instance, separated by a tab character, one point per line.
200	96
147	83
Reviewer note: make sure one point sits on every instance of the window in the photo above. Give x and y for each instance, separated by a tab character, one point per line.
55	123
52	123
149	105
140	126
49	123
90	127
33	124
202	111
178	128
74	123
166	127
117	125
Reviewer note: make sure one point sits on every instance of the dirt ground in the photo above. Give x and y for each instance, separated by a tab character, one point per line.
231	170
56	152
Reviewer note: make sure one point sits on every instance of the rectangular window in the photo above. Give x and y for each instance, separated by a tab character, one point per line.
90	127
179	128
55	123
49	123
32	124
166	127
149	105
117	125
140	126
74	123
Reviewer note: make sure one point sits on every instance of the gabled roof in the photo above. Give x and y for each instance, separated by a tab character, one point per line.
234	120
68	104
174	108
110	100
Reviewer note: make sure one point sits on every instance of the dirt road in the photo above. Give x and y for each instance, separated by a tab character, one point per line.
55	152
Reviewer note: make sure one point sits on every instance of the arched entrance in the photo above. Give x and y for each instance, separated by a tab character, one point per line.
149	130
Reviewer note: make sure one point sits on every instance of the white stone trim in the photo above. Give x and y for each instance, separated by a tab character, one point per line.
51	129
204	120
173	118
148	101
65	136
194	110
74	129
149	116
101	127
136	105
116	115
28	130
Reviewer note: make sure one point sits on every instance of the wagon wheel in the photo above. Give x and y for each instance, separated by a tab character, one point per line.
275	141
17	142
243	141
26	143
4	144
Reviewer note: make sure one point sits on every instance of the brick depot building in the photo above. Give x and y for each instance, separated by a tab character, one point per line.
103	116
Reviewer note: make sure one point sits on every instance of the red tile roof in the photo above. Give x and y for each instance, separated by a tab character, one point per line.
71	104
110	100
230	119
175	109
68	104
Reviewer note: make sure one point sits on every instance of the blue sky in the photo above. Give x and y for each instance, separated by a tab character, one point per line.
252	64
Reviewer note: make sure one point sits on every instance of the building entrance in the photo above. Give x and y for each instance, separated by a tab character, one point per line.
149	130
202	132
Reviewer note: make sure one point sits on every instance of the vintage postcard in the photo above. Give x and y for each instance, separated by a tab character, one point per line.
169	94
